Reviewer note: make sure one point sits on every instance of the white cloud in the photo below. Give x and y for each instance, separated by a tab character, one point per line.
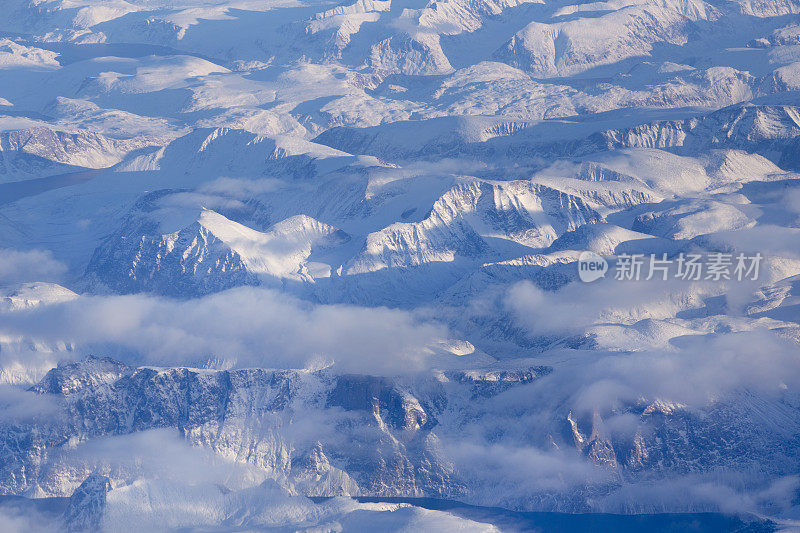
241	188
577	306
693	367
243	327
20	406
34	265
19	521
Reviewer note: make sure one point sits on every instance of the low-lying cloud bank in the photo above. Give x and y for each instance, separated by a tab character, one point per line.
239	327
691	362
34	265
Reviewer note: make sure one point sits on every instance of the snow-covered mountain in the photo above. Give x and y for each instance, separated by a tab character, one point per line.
271	264
378	436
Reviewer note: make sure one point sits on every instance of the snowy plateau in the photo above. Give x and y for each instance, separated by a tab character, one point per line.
312	265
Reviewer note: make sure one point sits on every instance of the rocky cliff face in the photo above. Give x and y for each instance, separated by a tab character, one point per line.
219	410
378	436
87	504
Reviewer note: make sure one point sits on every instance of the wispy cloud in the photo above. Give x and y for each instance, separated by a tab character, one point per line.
242	327
34	265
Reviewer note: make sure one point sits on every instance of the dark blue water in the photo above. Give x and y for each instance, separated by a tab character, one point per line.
509	521
520	521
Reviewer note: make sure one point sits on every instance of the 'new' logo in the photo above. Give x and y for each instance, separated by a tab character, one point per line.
591	266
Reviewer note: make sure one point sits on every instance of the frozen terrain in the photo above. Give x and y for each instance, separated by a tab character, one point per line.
312	265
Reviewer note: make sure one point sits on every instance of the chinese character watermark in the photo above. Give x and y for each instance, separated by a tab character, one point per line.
716	266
